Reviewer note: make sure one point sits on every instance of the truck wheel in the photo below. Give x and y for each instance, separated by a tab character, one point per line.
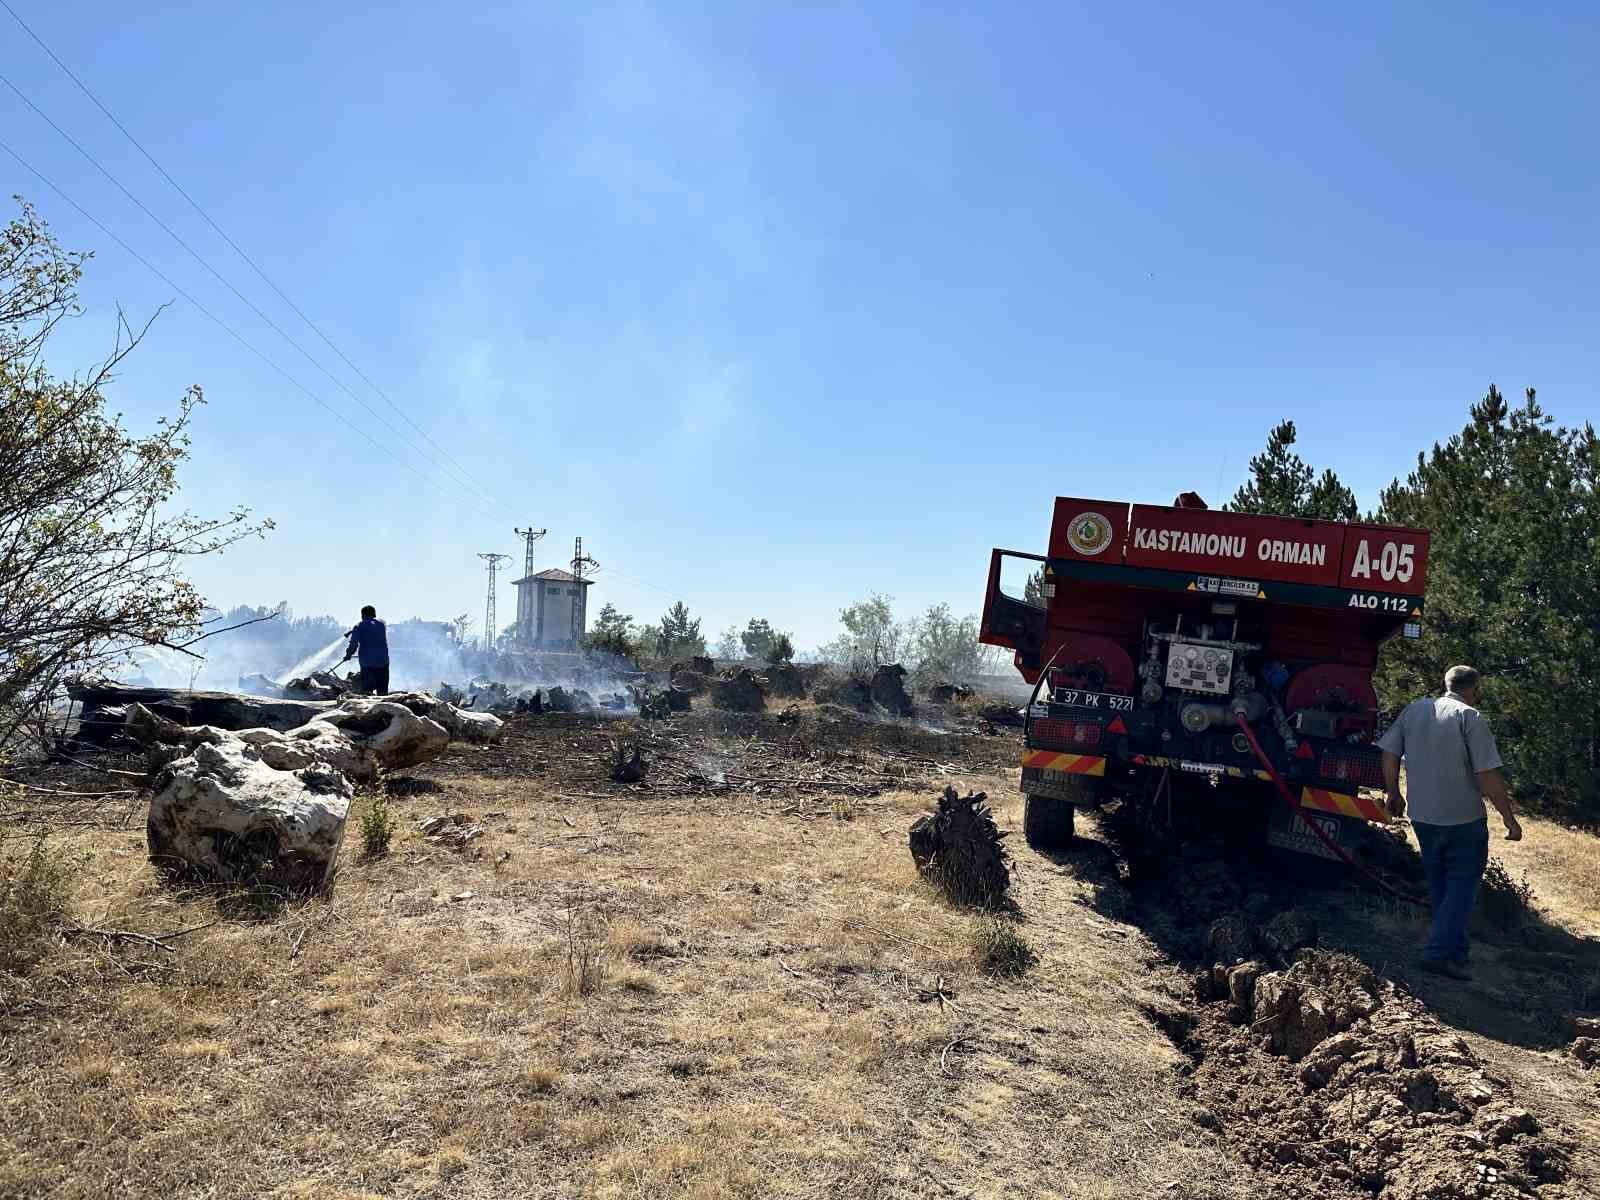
1047	823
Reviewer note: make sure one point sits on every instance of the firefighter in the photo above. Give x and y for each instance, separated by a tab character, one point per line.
1452	763
370	639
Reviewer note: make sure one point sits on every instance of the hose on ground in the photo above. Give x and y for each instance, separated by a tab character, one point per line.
1315	827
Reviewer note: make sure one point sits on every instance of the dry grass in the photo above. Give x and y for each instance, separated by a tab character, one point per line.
707	999
1565	865
718	997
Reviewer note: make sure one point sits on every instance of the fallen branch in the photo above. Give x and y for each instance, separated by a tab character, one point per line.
34	787
851	924
960	1041
331	914
102	770
156	941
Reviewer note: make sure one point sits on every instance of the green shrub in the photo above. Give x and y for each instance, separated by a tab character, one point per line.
34	892
1504	901
377	824
1002	952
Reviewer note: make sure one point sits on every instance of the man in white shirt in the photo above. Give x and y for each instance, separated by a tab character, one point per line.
1452	763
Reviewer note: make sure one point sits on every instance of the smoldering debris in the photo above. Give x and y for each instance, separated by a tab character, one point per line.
319	685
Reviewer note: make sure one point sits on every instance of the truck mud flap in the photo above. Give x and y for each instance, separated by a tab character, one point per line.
1061	776
1288	830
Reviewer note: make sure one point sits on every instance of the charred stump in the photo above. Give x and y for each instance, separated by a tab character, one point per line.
959	849
628	765
889	690
744	691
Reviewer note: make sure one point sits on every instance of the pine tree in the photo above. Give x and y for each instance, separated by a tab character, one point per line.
781	650
1284	484
1513	589
757	637
1033	590
679	633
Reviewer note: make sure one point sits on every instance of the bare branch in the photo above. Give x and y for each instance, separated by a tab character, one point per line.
229	629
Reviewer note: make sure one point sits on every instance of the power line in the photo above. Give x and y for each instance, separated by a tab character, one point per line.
466	483
211	316
622	575
193	203
265	278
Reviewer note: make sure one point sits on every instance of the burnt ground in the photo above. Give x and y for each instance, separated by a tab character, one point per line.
786	1010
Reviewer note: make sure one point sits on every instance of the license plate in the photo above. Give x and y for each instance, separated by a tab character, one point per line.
1099	701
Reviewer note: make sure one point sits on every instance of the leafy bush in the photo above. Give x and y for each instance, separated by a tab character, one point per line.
377	824
95	543
34	892
612	633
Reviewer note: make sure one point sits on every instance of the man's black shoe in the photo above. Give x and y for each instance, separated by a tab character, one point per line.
1451	970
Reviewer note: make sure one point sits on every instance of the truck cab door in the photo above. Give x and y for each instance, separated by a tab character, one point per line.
1016	605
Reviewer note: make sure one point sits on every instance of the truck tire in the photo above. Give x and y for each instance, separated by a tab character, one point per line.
1048	823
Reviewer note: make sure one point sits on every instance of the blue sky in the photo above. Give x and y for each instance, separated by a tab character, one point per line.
780	305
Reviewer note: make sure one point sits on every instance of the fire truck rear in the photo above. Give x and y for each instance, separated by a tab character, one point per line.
1182	656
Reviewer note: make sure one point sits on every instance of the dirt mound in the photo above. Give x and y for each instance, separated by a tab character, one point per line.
1231	939
1333	1082
1322	994
1339	1085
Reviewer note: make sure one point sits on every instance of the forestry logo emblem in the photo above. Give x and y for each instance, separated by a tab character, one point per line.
1089	533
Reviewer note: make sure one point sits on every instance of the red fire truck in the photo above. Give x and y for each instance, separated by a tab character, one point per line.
1185	655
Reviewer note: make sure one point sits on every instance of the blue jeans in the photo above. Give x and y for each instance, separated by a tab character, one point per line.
1453	857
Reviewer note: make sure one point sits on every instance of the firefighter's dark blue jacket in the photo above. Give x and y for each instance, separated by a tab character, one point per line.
370	640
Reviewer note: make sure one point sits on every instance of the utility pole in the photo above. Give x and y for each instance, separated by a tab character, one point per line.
494	561
580	602
525	593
